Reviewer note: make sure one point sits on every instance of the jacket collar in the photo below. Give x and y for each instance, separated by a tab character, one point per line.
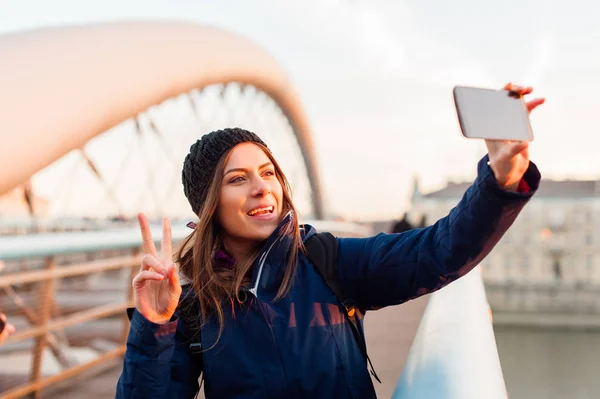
272	258
270	264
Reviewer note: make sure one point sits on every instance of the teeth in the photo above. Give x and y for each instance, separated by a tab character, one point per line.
261	210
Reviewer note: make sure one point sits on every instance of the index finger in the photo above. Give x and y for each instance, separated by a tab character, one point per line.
147	241
167	243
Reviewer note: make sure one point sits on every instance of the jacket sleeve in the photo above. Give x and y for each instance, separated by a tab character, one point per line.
389	269
157	361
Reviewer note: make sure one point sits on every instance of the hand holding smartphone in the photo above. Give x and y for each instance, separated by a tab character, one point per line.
492	114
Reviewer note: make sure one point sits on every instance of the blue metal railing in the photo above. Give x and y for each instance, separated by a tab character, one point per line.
50	244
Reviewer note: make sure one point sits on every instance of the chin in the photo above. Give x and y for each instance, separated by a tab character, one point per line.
259	231
255	230
262	233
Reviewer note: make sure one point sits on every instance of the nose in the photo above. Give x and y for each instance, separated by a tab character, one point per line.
261	188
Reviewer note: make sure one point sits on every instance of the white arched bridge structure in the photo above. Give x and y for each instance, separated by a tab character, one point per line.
95	122
102	116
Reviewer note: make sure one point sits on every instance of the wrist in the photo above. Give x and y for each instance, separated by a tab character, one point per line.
154	319
514	186
504	182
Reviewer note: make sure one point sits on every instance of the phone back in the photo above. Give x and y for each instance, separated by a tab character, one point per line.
492	114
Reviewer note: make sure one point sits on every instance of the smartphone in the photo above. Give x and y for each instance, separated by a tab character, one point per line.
492	114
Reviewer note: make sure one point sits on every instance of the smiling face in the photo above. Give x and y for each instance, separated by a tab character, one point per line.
251	199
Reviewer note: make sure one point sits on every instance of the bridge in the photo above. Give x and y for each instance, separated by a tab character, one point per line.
100	141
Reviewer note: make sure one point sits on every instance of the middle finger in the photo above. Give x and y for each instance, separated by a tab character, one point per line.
167	243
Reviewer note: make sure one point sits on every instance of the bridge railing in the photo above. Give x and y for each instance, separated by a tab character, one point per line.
80	277
454	354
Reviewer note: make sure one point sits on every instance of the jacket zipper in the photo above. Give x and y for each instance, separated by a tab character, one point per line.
263	258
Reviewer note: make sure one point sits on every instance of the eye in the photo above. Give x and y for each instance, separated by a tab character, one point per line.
237	179
269	172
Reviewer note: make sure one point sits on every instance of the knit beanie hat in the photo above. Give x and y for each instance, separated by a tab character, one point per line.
200	164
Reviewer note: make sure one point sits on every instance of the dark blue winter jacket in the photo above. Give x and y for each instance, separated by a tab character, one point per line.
301	346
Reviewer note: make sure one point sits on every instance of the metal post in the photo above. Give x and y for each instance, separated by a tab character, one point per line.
45	308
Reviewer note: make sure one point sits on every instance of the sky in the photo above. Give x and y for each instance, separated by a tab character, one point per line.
376	77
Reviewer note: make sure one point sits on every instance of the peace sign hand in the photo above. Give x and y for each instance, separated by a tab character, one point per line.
156	288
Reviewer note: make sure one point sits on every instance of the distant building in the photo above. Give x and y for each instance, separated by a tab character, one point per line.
556	239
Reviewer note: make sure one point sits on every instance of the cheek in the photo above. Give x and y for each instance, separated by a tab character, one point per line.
229	208
277	191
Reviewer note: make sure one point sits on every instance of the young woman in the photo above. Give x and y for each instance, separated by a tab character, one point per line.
254	316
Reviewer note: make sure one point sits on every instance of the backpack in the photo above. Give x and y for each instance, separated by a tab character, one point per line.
322	252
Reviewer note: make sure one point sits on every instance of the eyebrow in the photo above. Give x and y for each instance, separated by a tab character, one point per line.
264	165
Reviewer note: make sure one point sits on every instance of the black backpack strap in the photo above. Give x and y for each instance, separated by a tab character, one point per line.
188	311
322	252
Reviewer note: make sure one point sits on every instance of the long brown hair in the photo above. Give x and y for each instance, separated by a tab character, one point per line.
213	285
